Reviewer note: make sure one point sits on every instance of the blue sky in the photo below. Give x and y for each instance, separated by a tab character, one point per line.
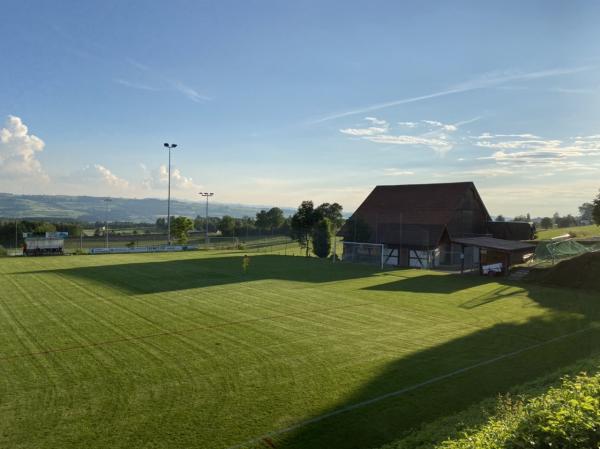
275	102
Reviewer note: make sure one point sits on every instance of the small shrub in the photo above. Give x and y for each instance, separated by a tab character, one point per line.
3	252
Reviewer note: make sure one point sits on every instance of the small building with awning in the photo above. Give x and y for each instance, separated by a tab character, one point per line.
496	251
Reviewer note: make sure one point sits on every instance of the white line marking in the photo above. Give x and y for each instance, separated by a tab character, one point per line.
406	389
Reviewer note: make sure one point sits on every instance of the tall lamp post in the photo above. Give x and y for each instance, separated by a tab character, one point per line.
106	202
206	195
169	146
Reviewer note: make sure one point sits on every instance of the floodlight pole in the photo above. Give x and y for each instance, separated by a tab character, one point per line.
206	195
169	147
106	201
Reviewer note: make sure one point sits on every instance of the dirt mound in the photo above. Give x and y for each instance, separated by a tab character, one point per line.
582	272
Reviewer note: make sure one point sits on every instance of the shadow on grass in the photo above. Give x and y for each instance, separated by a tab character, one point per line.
366	422
181	274
429	283
448	378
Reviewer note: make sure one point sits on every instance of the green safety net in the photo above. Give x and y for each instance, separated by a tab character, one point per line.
562	250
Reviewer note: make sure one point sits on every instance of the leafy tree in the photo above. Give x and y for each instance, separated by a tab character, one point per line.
302	223
180	227
227	226
586	212
566	222
358	229
275	218
263	222
161	223
44	227
245	226
596	210
500	218
546	223
522	218
321	238
333	212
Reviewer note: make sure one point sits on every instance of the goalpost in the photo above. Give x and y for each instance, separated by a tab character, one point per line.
367	253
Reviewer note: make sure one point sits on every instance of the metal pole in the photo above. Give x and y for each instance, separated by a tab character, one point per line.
169	203
206	217
16	237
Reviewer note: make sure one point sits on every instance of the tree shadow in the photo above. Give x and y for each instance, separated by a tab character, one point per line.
448	378
181	274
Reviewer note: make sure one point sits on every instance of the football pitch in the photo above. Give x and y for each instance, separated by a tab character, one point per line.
186	350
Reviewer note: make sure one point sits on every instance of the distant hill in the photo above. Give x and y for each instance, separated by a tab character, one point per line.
90	208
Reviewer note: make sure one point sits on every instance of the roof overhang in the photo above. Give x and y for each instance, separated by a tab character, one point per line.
506	246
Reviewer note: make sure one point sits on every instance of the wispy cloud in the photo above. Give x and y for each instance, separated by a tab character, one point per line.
515	151
433	133
169	83
397	172
134	85
188	91
487	80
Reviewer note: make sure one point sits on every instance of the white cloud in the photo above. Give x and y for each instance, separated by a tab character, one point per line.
437	139
159	179
360	132
549	154
19	150
108	177
397	172
500	136
440	145
441	125
377	121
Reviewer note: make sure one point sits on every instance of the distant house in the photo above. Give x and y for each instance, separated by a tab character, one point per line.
419	224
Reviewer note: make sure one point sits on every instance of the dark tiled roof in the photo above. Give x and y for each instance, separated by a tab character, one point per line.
411	214
414	203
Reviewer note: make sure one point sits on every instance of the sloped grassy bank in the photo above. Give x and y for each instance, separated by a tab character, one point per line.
561	410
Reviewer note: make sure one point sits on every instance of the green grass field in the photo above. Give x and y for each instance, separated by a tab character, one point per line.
187	351
579	231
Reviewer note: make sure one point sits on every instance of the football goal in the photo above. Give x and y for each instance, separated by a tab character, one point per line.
367	253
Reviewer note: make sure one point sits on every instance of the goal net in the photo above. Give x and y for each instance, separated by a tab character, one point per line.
367	253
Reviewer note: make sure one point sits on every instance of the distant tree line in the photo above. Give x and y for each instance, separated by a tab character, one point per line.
9	229
589	213
265	223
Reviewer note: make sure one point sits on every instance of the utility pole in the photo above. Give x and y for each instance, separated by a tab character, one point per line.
206	195
169	147
16	237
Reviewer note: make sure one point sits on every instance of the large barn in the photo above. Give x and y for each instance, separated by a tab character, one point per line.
428	225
